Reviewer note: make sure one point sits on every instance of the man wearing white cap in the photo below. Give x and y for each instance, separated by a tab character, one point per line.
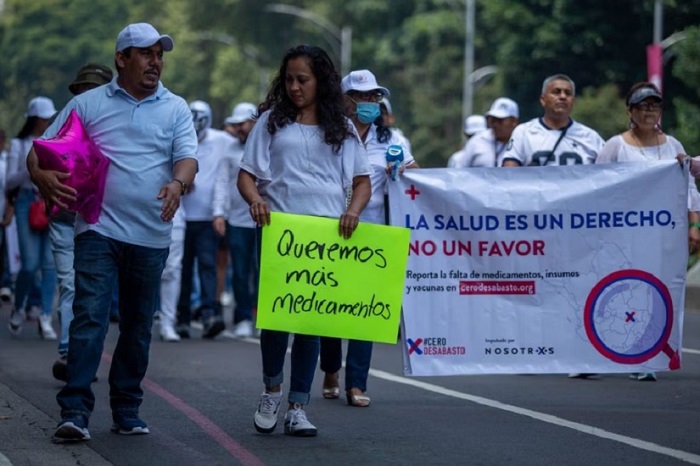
233	221
473	124
486	148
555	138
241	121
147	134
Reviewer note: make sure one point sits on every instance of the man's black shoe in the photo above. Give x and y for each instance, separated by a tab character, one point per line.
183	331
212	327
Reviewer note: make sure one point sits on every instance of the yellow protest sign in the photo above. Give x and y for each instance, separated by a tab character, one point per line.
315	282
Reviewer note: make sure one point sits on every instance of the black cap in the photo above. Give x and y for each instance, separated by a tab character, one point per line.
642	94
91	74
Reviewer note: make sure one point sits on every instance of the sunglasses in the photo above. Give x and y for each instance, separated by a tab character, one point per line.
649	105
371	96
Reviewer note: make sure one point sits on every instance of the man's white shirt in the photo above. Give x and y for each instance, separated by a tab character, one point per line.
532	143
482	150
228	201
212	152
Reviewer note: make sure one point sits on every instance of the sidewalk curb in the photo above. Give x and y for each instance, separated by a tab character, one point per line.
25	437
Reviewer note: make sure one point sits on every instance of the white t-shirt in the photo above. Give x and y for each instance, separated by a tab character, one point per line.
16	171
456	159
298	173
179	218
401	138
482	150
616	149
532	142
3	172
374	212
212	152
228	201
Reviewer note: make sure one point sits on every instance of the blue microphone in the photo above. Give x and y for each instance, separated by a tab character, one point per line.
394	155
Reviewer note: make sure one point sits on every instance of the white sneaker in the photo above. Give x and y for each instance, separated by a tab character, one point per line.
5	294
5	300
71	431
643	376
16	321
243	329
266	414
46	330
296	423
168	333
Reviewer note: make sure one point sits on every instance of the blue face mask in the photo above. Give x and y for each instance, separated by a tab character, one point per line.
367	112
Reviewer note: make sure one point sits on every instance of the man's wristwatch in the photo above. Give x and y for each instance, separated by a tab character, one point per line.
183	185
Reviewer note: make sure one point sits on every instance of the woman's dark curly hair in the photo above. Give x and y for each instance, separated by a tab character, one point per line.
329	99
28	127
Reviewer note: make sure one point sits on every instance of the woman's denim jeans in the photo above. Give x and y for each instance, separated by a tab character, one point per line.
35	253
305	348
273	346
357	360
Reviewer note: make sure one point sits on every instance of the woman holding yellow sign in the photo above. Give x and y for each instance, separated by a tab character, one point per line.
301	157
387	157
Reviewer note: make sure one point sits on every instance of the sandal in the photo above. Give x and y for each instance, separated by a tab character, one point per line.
331	390
359	399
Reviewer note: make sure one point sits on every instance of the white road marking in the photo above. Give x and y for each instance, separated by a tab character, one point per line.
586	429
548	418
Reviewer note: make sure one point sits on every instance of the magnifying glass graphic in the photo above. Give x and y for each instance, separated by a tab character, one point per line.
628	318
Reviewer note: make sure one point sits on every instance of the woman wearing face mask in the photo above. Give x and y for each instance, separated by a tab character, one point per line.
362	98
644	142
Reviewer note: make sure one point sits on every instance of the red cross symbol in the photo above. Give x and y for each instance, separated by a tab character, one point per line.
413	192
630	316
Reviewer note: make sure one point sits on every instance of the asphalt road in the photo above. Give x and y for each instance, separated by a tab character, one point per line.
201	395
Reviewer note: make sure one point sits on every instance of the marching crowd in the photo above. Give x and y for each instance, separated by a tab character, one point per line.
184	202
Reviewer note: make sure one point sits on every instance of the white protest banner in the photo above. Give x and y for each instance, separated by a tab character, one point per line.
543	270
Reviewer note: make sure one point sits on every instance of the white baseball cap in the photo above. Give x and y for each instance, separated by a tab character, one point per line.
142	35
473	124
41	107
241	113
503	107
362	81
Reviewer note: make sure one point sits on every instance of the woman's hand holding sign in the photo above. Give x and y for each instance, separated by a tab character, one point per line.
260	212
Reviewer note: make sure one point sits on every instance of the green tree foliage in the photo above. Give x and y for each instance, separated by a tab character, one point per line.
603	109
227	51
44	43
687	70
